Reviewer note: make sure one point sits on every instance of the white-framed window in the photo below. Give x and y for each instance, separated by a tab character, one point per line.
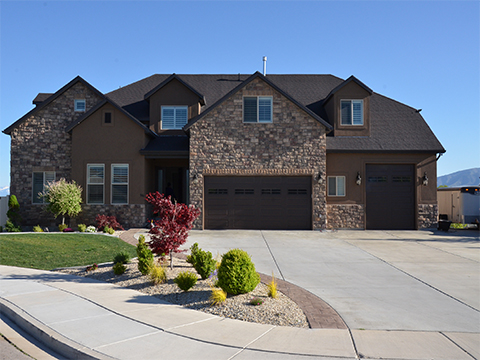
336	186
351	112
257	109
119	184
39	180
95	183
80	104
174	117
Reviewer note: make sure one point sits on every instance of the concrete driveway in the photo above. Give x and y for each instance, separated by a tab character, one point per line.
376	280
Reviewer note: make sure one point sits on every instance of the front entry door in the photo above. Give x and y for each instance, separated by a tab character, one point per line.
173	179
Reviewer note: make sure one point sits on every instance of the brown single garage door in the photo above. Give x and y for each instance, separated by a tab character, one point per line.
390	197
256	202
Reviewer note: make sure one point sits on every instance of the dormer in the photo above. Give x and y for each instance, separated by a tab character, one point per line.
348	108
172	104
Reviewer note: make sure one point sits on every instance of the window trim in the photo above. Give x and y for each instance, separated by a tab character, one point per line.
78	101
174	107
112	184
258	97
89	183
352	101
43	187
336	177
104	123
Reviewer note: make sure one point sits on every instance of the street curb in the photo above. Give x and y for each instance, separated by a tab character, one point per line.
44	334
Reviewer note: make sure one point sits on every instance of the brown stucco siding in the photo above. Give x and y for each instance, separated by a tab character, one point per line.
293	144
120	142
40	143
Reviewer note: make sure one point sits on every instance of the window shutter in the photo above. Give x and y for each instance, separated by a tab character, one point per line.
346	113
168	118
250	109
181	118
264	109
357	112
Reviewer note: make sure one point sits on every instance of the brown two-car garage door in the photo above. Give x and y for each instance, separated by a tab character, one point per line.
256	202
390	197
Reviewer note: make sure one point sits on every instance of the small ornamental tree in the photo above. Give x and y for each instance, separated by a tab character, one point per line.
63	198
171	231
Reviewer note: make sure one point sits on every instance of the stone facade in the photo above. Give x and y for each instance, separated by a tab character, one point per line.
40	143
293	144
427	216
345	216
128	216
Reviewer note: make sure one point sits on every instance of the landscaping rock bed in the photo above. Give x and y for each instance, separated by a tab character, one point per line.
281	311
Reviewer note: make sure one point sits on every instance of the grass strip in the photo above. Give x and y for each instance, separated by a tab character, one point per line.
49	251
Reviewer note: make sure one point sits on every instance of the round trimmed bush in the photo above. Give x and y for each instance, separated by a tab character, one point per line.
236	274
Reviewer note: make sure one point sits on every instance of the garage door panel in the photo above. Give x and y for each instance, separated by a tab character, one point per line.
255	202
390	196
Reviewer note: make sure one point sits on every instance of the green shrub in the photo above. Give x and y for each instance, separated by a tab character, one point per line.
10	227
185	280
13	215
236	274
158	274
202	261
37	229
119	268
122	258
82	227
108	230
145	256
1	228
217	296
61	227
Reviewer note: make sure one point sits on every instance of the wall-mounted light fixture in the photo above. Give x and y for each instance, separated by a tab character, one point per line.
195	178
319	177
358	179
425	179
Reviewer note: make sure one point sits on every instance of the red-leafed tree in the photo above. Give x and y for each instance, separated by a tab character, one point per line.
171	230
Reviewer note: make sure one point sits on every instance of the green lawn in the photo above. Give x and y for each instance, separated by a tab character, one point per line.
50	251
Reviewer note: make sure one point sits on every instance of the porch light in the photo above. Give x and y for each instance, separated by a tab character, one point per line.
358	179
425	179
195	178
319	177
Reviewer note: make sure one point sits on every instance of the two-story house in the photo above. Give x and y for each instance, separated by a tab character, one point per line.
250	151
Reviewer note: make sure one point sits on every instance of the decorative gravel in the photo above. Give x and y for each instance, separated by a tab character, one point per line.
281	311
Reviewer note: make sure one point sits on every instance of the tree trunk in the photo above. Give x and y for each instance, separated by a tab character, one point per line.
171	259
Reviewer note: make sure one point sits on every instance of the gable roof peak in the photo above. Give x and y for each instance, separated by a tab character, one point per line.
178	78
51	98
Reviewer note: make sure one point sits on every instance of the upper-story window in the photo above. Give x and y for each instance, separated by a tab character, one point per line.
352	112
80	105
174	117
257	109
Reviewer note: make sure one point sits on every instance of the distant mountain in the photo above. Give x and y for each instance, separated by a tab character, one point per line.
4	191
459	178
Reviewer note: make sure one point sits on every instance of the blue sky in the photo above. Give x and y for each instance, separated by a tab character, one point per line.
422	53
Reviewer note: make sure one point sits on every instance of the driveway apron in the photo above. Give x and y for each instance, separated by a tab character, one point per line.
375	280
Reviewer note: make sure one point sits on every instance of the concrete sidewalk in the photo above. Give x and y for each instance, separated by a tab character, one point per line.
82	318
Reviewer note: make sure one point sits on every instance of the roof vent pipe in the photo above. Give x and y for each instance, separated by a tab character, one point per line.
264	65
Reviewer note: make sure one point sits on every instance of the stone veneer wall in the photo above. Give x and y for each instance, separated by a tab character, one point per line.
293	144
40	143
427	216
128	216
345	216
